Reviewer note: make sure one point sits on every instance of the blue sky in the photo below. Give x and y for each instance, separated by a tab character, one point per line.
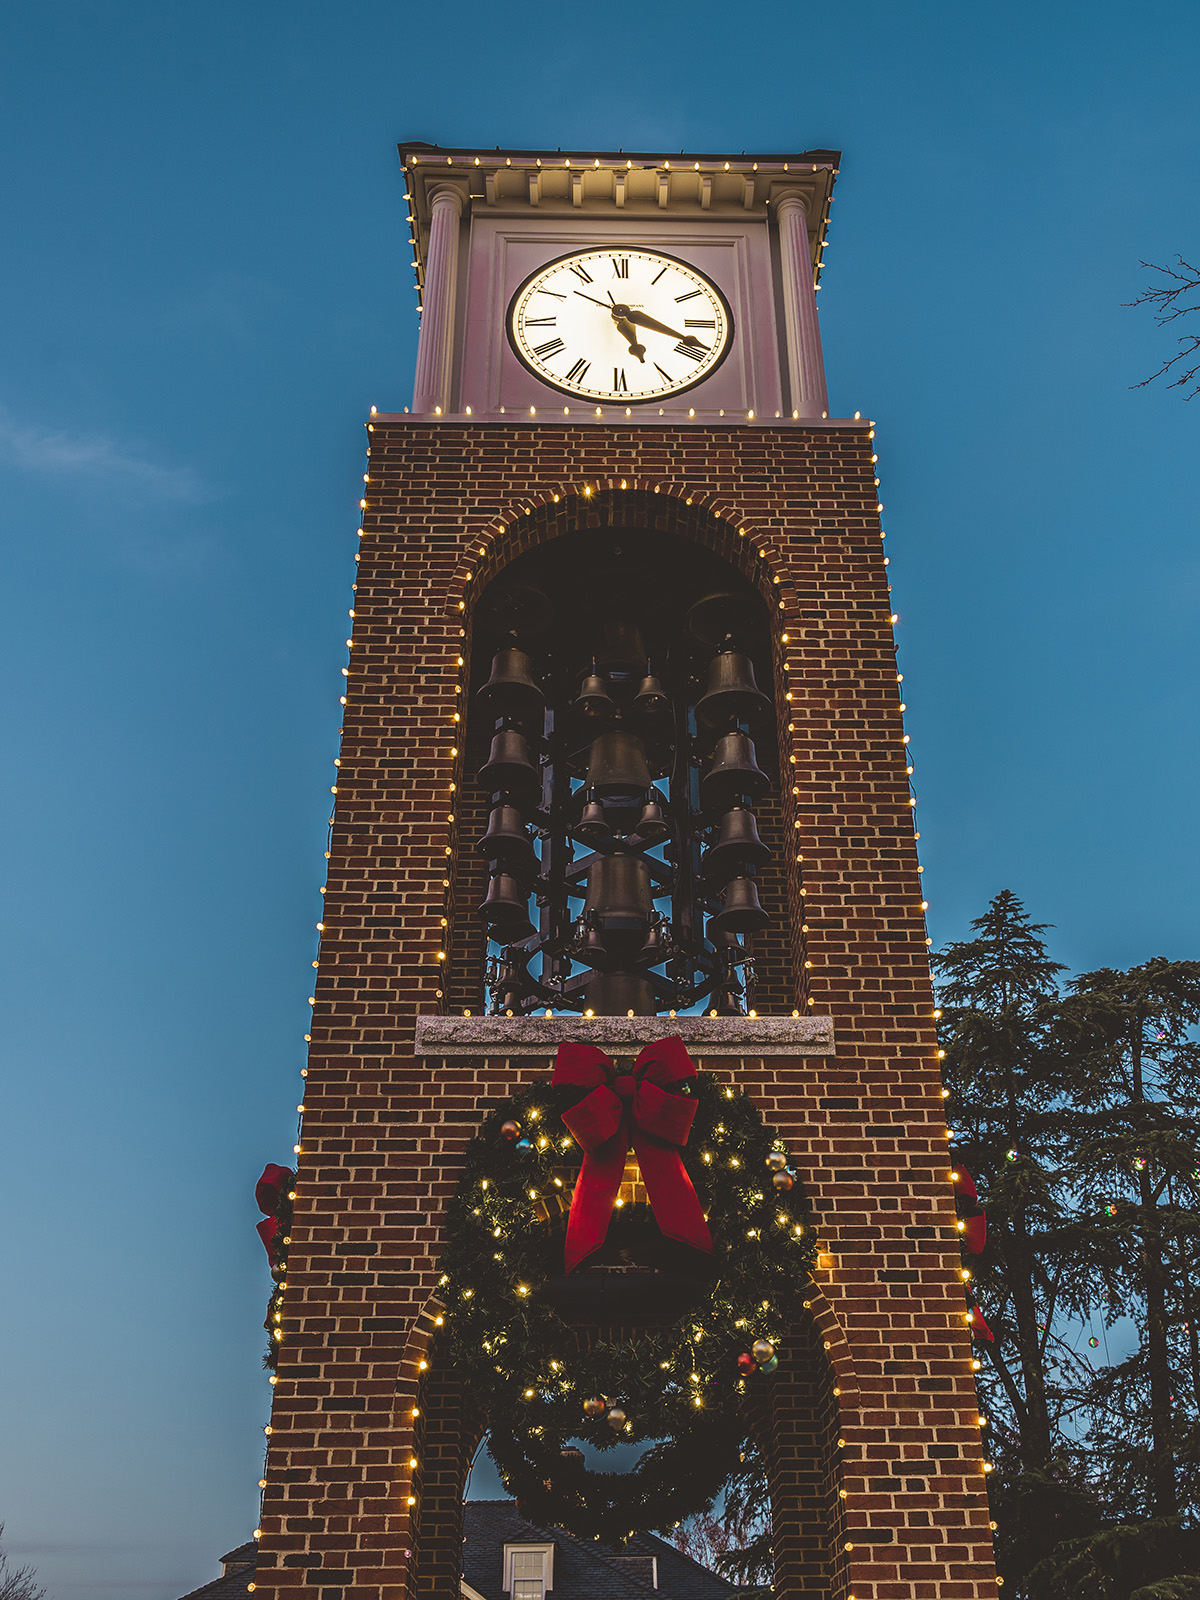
205	285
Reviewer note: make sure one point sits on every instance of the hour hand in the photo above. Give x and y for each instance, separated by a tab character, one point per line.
627	331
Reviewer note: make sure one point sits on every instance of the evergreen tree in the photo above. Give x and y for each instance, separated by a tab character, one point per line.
1129	1040
1008	1106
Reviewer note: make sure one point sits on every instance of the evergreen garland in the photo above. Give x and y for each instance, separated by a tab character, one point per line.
677	1382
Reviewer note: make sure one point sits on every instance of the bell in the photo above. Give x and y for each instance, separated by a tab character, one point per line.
651	698
621	648
654	947
618	767
727	1001
509	766
616	994
651	827
594	699
618	894
507	843
591	827
741	911
511	691
732	694
506	909
737	847
734	771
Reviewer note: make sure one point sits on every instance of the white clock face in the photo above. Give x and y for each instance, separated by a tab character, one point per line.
620	325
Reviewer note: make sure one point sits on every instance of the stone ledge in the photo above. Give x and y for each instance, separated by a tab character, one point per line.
541	1036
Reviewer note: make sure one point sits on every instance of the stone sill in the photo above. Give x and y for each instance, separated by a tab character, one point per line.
704	1036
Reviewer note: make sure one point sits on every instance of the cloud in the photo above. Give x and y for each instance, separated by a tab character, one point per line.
59	454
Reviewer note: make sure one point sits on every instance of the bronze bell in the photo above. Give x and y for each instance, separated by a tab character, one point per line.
651	698
506	909
592	827
618	893
734	771
732	694
654	946
616	994
727	1001
594	699
651	827
621	648
511	690
737	846
507	843
741	911
618	767
509	766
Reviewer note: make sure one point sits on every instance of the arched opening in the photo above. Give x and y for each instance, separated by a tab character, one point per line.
796	1425
619	809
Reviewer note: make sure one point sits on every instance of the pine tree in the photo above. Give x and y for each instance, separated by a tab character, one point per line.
1129	1039
1010	1114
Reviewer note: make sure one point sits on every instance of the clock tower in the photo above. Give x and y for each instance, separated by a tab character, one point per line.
623	759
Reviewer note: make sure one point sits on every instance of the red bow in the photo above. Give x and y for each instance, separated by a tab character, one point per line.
622	1106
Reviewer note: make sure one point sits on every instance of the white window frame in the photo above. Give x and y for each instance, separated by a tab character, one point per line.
546	1551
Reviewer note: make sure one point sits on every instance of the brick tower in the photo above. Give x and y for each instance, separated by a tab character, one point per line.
524	497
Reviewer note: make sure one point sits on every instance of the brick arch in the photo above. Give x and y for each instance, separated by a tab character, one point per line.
552	510
797	1420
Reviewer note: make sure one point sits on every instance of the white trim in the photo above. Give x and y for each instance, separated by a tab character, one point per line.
466	1591
546	1551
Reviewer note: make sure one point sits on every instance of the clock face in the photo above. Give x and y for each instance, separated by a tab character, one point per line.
621	325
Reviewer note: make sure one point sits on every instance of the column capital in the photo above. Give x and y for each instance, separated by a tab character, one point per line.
787	199
443	191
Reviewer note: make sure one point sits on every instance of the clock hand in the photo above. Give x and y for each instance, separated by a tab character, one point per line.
595	302
643	321
627	331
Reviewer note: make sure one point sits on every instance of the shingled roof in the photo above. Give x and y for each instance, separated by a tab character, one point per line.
583	1569
237	1571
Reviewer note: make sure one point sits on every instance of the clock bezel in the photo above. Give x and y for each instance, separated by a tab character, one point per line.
617	400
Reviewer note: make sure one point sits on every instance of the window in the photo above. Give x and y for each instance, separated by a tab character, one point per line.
528	1570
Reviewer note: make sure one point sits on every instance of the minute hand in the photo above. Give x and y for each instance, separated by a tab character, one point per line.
643	321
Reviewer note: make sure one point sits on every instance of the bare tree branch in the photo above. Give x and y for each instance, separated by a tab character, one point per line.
1168	300
17	1583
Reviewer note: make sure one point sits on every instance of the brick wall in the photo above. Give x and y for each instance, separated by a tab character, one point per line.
876	1394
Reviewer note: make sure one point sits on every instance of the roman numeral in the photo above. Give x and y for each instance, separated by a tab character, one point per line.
659	370
658	275
550	348
549	322
620	266
697	322
577	372
696	351
619	384
551	293
690	295
581	273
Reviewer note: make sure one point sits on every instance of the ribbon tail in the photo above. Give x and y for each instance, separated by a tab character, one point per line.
596	1191
675	1203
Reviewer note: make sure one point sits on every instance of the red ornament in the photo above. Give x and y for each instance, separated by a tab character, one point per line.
510	1130
746	1363
593	1407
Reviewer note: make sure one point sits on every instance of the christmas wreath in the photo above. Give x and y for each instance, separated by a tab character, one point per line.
669	1316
